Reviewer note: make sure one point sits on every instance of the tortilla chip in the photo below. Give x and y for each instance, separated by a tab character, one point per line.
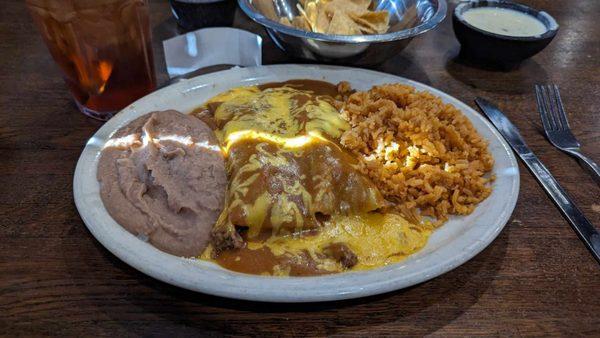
344	5
285	21
322	22
311	14
301	23
362	3
266	8
342	24
305	16
351	17
372	22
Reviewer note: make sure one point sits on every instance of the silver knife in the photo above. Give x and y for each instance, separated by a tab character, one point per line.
582	226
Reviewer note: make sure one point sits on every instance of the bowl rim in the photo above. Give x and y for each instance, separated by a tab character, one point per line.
548	21
437	17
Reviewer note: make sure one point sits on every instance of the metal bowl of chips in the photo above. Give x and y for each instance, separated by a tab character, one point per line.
407	19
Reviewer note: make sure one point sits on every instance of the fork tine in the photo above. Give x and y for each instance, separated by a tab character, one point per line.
551	108
542	108
548	107
561	109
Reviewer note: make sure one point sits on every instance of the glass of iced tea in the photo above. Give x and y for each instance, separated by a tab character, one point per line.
103	48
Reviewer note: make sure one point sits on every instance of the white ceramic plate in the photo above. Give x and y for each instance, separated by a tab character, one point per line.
453	244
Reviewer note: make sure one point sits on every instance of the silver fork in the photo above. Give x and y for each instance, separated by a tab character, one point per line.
556	126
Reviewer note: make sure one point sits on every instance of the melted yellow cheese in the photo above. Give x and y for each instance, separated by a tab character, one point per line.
281	210
288	143
290	118
376	239
276	114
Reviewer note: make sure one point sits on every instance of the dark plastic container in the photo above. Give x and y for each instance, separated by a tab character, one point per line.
195	14
496	49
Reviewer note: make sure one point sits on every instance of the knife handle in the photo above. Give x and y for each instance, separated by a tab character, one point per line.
582	226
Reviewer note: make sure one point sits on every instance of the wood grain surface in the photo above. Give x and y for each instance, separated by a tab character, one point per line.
535	279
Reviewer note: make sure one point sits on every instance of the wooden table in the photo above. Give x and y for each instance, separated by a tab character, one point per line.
536	278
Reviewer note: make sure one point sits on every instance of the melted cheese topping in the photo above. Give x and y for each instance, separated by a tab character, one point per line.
285	166
276	113
281	210
278	128
376	239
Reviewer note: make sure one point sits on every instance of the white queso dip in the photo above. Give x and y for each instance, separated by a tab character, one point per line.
504	21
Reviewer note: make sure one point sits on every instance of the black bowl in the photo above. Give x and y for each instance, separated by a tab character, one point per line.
496	49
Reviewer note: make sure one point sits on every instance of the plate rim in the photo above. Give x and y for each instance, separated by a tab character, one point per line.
134	258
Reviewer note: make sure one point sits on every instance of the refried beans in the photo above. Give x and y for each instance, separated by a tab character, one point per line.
162	177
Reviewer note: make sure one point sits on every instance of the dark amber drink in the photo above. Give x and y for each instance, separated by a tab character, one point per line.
103	48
